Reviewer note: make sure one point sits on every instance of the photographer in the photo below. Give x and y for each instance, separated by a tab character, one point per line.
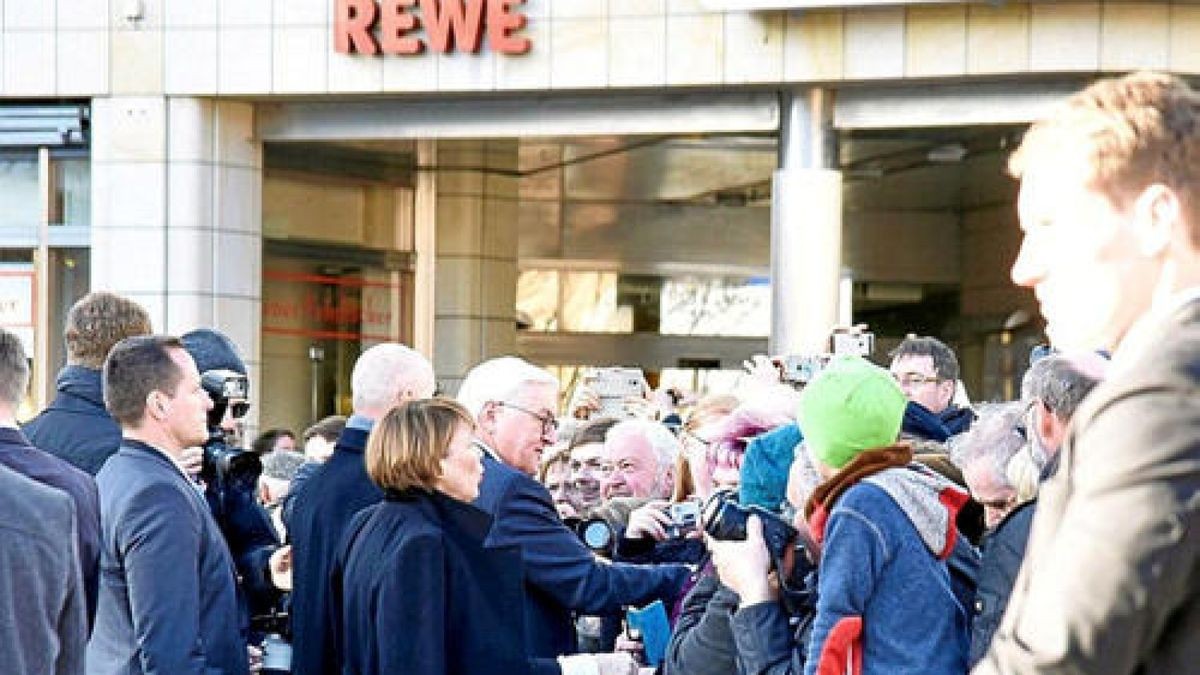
230	474
704	640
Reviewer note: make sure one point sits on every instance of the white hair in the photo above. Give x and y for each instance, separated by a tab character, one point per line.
995	438
384	371
500	380
661	440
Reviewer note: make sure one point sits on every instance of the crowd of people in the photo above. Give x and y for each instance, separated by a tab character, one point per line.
867	520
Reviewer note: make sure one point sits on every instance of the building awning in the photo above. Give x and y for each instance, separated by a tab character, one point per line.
43	125
734	5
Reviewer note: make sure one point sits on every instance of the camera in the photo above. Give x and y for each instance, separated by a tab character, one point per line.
803	368
684	518
725	520
228	390
596	534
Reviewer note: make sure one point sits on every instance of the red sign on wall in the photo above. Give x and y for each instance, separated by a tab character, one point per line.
448	25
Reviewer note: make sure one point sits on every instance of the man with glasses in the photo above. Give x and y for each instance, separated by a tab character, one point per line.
927	372
514	405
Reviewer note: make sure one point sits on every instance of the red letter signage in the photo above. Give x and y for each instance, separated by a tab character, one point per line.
352	26
448	24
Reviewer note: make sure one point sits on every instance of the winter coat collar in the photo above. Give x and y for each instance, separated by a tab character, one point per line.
930	502
82	382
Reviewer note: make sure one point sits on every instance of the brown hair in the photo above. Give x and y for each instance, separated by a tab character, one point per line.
97	322
560	456
1133	131
330	428
592	432
136	367
406	447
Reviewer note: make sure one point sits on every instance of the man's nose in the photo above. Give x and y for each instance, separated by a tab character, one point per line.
1027	268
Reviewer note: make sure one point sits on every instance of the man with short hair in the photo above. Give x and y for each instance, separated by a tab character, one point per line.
1052	389
639	461
927	371
1110	208
514	406
983	454
19	455
75	426
384	376
168	597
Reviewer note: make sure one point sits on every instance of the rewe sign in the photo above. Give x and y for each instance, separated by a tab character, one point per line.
449	25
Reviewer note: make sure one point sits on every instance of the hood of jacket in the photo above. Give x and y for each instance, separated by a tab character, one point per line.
82	382
929	501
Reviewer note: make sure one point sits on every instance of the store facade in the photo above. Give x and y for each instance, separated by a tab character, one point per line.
313	176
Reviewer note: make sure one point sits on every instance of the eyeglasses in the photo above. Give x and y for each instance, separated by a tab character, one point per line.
549	422
915	379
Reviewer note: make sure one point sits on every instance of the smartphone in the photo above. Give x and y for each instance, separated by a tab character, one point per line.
684	518
613	385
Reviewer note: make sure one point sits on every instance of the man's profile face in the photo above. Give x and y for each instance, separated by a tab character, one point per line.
997	498
631	468
187	411
919	381
519	430
1080	257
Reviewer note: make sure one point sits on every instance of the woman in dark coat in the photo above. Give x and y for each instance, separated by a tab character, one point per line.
417	590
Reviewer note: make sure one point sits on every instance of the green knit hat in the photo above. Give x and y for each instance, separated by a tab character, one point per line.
851	407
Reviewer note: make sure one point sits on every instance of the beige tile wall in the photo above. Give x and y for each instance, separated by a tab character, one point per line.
240	47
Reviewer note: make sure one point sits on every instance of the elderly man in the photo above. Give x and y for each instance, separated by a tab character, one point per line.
983	455
639	461
927	371
1052	390
168	594
384	376
514	405
1110	207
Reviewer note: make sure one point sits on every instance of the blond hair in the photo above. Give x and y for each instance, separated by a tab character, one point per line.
406	447
1132	131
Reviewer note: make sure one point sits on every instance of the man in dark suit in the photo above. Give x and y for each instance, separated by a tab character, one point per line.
43	622
168	596
1110	206
514	406
17	454
384	376
75	426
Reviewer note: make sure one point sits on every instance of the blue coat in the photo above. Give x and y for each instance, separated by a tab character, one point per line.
76	426
561	575
17	454
321	511
417	592
168	590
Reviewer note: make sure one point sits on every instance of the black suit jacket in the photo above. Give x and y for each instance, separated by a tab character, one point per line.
320	513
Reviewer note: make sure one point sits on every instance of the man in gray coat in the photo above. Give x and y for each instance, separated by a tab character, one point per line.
1110	206
168	595
43	619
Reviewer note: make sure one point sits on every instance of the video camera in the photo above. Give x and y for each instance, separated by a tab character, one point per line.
800	369
228	390
725	520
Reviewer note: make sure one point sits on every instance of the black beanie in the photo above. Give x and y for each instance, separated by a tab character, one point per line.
212	351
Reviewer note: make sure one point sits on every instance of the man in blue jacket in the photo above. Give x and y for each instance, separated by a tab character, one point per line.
384	376
17	454
514	405
75	426
168	597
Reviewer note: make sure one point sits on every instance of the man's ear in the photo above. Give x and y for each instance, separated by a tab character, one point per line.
1156	212
948	387
156	406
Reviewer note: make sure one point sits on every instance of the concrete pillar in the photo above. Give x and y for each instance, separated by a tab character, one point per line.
177	215
476	275
806	227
